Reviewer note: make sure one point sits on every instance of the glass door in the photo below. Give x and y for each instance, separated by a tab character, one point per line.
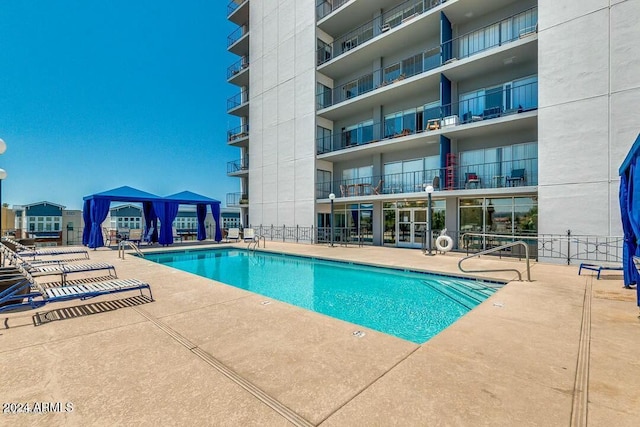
412	223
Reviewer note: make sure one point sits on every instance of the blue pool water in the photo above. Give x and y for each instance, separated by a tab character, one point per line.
410	305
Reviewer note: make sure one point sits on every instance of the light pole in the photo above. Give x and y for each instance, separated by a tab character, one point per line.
332	197
3	175
429	190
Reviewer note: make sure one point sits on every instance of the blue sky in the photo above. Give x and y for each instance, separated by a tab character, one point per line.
99	94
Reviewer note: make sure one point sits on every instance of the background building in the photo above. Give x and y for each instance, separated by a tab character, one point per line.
518	113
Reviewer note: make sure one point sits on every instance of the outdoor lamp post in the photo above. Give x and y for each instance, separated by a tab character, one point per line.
429	190
332	197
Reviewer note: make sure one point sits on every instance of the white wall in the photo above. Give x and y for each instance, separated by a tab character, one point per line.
589	93
282	112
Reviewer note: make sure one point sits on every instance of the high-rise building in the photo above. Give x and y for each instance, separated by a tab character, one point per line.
516	112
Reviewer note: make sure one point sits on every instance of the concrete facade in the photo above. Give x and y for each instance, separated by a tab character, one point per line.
589	90
373	101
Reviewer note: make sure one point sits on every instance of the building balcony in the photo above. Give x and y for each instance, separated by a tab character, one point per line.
426	27
421	70
326	7
238	72
238	136
238	41
238	167
238	11
498	177
238	104
398	16
511	108
237	200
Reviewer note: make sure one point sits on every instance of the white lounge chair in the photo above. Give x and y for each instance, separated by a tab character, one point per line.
249	235
233	233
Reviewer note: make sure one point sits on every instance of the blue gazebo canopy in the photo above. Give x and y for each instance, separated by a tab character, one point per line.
165	209
630	214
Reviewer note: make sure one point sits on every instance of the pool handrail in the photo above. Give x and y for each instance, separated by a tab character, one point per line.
496	249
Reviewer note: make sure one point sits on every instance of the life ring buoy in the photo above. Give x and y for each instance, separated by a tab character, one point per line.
444	243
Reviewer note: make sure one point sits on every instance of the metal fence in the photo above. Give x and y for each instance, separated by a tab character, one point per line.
566	248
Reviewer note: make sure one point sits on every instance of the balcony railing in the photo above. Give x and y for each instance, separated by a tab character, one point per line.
237	199
237	67
235	36
376	27
238	133
325	7
232	6
237	100
512	99
408	67
509	173
238	165
492	36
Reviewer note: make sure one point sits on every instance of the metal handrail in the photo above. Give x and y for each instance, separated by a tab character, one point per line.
132	245
256	243
496	249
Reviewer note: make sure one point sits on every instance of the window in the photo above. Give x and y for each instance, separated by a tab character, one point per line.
360	133
323	96
323	184
412	66
391	73
324	52
359	174
323	139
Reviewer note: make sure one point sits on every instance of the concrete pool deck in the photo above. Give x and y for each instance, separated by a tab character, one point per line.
560	350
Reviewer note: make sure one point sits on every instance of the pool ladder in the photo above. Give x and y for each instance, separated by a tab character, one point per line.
496	249
255	243
132	245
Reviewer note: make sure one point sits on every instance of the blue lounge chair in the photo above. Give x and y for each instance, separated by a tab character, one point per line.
28	252
49	268
25	291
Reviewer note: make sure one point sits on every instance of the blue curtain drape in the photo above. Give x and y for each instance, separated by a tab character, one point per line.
167	212
215	210
86	217
150	220
99	211
201	212
629	196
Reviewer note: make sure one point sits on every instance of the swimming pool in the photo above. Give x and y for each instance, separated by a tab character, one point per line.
410	305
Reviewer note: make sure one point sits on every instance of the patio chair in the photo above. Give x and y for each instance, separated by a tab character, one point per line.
25	291
147	239
517	177
52	267
377	188
135	235
26	252
233	233
249	235
471	178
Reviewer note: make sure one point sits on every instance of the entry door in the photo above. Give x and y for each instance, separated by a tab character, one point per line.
412	224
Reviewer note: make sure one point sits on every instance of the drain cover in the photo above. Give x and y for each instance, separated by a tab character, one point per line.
358	334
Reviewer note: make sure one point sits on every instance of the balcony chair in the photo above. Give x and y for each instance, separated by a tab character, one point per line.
471	178
377	188
517	178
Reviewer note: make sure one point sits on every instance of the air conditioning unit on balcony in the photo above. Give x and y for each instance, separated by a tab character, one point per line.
450	121
385	28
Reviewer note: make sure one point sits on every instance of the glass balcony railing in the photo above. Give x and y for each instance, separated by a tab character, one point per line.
238	133
376	27
408	67
325	7
235	36
237	199
507	173
237	100
232	6
477	41
239	165
238	66
484	104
